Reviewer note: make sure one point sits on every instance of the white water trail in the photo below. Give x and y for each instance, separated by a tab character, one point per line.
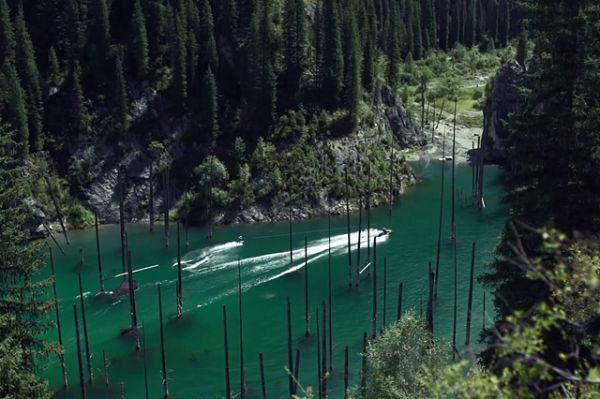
211	265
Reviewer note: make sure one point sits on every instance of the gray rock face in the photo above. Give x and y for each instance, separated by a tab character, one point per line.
503	101
280	213
407	132
102	194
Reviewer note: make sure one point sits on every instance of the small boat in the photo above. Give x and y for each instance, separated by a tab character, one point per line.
240	239
384	232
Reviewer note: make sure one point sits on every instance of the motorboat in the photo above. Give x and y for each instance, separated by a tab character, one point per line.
384	232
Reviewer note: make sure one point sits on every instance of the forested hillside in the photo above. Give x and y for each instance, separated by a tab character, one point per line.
90	81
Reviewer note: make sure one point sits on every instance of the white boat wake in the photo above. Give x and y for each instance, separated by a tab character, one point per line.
213	271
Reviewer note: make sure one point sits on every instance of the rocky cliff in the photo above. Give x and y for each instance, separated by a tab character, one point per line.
503	101
391	126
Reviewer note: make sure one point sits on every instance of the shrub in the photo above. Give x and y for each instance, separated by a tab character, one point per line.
79	218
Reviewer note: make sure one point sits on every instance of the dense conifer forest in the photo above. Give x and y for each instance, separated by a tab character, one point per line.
219	85
235	102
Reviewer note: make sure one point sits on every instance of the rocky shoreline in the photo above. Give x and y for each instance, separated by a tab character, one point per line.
269	214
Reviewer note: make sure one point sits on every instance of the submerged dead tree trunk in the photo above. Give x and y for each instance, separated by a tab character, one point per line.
384	290
132	304
441	217
430	301
348	224
363	373
330	297
226	342
374	317
57	209
61	354
324	352
151	205
369	218
391	188
79	360
166	204
307	310
470	297
453	219
291	381
122	221
179	290
147	393
88	354
242	366
360	205
262	376
455	314
319	375
296	371
291	243
346	372
98	254
165	376
399	311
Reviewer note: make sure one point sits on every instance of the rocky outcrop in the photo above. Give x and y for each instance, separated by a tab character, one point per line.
280	212
503	101
391	122
407	132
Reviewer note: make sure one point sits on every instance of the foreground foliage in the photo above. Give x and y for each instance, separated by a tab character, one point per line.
23	298
406	362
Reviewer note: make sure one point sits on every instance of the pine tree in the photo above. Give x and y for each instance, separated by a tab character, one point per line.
76	100
210	107
246	12
99	28
333	61
192	55
504	16
32	85
445	24
410	27
23	294
140	41
13	95
179	51
318	40
471	35
227	23
294	38
368	70
54	76
121	100
456	22
156	29
464	15
7	36
207	46
264	80
393	50
418	38
352	83
433	25
522	49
